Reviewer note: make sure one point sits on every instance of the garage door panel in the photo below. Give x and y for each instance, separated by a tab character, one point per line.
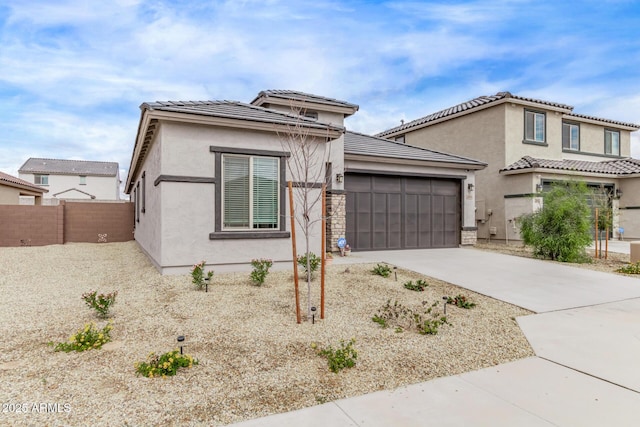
390	212
394	221
387	184
424	221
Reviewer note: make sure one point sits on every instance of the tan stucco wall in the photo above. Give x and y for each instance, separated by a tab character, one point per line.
9	195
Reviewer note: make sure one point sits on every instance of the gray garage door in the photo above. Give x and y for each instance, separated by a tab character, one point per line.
392	212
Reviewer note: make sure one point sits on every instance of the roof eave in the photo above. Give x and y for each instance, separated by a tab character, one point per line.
561	172
407	128
404	161
305	104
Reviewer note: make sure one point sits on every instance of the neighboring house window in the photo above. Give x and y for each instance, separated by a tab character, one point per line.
144	191
250	189
400	139
534	126
310	114
612	142
83	180
41	179
570	136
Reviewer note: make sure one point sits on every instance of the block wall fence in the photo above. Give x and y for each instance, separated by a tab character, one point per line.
22	225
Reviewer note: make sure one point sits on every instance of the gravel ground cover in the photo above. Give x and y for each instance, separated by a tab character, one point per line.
612	262
254	359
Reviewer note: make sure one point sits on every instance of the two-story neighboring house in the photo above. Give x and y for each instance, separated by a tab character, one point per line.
73	179
529	144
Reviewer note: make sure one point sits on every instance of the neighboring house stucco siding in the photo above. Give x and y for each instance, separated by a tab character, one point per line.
496	135
102	187
9	195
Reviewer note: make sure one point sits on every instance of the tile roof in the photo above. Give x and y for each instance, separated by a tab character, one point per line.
360	144
69	167
484	101
305	97
617	167
235	110
599	119
12	181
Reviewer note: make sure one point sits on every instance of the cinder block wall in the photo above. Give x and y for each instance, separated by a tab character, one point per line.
31	225
67	222
84	221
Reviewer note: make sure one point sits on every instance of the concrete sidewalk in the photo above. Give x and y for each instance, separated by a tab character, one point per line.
587	343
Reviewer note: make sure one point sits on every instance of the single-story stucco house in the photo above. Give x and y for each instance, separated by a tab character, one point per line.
12	188
209	181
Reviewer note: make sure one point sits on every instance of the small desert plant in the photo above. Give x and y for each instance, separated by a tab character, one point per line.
418	286
260	270
166	364
460	301
425	322
630	268
100	302
382	270
88	338
198	277
342	357
314	263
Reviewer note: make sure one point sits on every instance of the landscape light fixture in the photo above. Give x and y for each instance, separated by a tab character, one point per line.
444	303
180	340
206	284
313	315
395	272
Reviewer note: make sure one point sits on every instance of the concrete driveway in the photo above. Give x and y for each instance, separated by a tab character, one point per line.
587	345
536	285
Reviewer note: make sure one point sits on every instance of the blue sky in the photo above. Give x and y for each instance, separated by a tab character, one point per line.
73	73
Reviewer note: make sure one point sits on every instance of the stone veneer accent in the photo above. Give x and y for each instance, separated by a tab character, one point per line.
336	219
468	237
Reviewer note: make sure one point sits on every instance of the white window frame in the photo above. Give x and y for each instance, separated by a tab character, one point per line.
251	227
608	146
538	117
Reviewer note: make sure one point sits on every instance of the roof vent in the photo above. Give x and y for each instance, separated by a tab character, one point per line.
401	122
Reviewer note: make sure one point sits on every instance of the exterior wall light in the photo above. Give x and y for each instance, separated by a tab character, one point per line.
539	188
339	177
470	187
618	193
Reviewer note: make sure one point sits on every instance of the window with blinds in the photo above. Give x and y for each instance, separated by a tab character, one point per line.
250	192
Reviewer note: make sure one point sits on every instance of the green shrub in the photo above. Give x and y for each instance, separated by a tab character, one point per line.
100	302
419	286
166	364
90	337
260	270
382	270
460	301
198	277
561	230
402	318
342	357
630	268
314	263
